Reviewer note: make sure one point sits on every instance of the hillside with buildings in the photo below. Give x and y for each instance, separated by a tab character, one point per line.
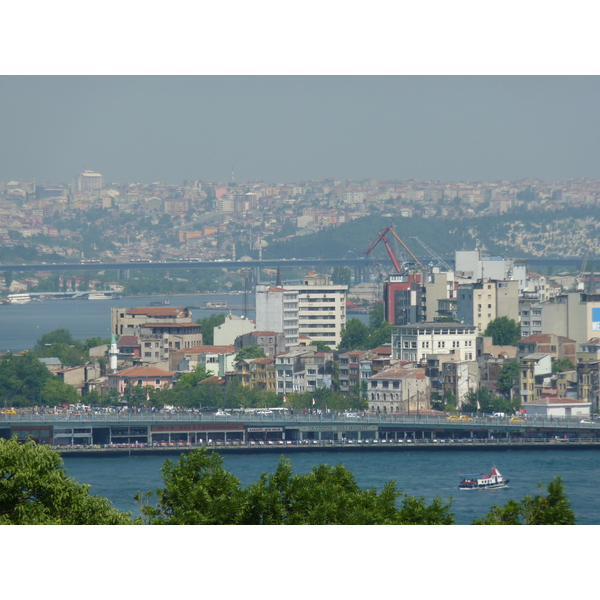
437	354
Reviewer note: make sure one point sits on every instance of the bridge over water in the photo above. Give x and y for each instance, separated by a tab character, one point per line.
156	430
361	266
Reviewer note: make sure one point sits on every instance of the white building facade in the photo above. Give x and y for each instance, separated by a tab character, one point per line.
415	342
315	308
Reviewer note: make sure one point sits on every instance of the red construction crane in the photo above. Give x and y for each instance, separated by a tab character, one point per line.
381	238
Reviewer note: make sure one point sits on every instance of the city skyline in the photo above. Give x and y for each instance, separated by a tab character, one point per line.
299	128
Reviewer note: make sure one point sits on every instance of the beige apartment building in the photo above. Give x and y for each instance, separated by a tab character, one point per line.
481	302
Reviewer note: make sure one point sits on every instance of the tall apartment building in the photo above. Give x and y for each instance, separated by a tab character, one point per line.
316	309
277	310
481	302
575	315
530	312
438	286
401	298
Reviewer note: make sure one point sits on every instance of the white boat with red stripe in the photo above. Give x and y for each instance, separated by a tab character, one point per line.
478	481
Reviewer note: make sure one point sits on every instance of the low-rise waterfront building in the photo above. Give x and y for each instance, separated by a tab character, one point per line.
399	390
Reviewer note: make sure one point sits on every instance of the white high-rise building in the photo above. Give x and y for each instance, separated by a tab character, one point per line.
88	181
315	308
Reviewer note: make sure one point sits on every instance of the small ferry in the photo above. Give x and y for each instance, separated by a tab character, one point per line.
19	298
160	303
479	481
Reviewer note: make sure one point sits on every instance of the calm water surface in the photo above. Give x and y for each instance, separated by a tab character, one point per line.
426	474
22	325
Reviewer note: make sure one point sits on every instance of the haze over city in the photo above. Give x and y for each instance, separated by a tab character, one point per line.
296	128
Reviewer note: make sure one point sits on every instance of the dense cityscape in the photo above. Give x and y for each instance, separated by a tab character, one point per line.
93	219
548	358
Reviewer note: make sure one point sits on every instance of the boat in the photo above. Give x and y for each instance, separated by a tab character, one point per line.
160	303
100	296
479	481
19	298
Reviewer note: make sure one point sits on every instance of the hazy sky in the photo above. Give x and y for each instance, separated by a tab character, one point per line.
292	128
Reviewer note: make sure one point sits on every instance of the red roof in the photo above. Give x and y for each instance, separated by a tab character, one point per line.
171	325
539	337
383	350
206	349
399	373
144	372
128	340
213	379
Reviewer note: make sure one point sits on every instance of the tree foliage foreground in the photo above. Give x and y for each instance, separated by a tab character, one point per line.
35	490
198	490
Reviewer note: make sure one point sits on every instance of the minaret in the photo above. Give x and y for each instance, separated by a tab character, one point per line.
113	352
278	281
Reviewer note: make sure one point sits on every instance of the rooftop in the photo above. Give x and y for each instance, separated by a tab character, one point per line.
144	372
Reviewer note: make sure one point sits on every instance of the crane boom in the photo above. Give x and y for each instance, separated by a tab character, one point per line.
381	238
438	258
406	248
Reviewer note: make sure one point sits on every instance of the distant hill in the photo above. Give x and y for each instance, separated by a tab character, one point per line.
517	234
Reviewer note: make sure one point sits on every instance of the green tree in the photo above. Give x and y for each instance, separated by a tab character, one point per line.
480	399
447	402
321	346
250	352
35	490
199	491
56	392
509	375
60	344
22	378
58	336
376	316
355	336
551	509
194	378
381	335
503	331
561	365
208	326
